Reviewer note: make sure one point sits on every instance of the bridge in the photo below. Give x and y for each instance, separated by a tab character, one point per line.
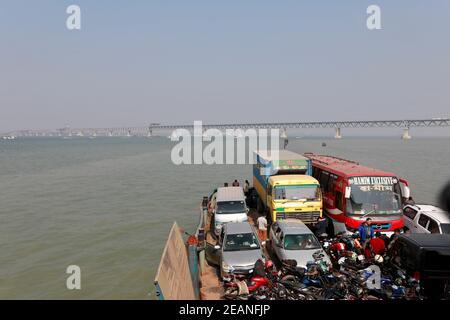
283	126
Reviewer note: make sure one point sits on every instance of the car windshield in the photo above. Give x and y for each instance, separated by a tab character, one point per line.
241	241
231	207
374	195
445	228
301	242
297	192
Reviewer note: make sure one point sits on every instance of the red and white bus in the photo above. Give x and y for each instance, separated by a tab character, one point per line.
352	193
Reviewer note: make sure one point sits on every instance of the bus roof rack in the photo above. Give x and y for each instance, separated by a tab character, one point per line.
333	157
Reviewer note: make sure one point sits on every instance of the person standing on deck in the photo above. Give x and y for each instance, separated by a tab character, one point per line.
262	228
321	226
365	231
236	183
246	187
393	238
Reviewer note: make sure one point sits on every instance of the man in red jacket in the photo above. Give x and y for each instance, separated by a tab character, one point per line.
377	244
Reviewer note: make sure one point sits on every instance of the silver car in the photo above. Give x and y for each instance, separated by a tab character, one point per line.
291	239
240	249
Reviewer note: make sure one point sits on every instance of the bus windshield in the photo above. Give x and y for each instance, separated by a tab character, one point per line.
297	192
374	195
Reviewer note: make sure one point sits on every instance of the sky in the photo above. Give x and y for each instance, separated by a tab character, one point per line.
139	62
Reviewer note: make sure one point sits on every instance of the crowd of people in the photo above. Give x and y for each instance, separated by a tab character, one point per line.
366	240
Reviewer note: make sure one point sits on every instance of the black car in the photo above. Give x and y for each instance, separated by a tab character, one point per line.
425	257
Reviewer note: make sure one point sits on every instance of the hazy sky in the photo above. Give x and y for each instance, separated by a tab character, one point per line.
136	62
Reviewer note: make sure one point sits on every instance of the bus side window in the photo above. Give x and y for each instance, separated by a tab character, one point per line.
324	176
316	173
338	201
331	181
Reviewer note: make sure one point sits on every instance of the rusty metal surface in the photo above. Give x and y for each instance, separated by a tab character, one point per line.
173	276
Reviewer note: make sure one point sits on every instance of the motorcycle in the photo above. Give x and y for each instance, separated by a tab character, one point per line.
244	287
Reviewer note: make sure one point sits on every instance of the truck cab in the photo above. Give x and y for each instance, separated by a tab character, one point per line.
286	188
294	196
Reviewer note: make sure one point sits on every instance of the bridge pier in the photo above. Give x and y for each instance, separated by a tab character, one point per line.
338	135
284	137
406	135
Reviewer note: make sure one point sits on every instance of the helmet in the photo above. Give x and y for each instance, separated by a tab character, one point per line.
378	258
268	264
339	246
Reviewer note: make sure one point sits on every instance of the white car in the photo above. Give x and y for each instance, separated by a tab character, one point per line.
229	206
426	219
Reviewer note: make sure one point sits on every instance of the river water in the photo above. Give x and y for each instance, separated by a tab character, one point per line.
107	205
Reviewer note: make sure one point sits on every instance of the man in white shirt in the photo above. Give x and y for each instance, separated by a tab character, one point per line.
262	228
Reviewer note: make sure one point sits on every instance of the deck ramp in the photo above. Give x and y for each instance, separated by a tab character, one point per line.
173	279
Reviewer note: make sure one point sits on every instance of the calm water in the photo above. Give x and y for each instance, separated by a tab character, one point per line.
108	204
